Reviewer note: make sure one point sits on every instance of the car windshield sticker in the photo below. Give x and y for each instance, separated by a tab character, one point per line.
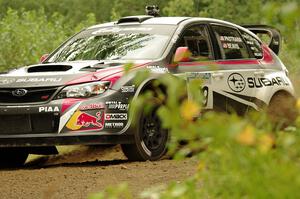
254	45
230	39
230	42
230	46
118	29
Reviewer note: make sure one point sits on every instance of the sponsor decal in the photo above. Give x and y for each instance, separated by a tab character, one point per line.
37	79
117	29
197	75
115	116
236	82
263	81
7	81
92	107
114	105
48	109
205	95
19	92
206	76
158	69
116	125
128	89
84	121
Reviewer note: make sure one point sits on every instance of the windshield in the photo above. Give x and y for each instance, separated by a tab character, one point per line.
118	42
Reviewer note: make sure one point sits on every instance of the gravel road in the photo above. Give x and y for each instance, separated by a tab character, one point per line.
80	171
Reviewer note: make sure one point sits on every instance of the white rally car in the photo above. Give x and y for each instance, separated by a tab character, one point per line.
79	94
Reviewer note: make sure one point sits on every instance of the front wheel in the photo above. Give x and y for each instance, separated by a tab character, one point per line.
12	157
150	139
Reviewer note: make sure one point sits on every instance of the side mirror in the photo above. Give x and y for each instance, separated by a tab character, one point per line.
44	57
182	54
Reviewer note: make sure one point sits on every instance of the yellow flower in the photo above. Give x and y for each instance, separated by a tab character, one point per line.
266	142
189	110
247	136
298	104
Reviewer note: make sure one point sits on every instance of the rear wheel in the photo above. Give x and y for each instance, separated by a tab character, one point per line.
282	109
150	139
12	157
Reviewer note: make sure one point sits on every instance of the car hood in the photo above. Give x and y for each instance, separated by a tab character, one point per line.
60	74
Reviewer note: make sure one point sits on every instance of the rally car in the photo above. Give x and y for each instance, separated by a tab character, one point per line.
80	94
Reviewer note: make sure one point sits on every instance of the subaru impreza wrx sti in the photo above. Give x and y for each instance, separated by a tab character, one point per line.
79	94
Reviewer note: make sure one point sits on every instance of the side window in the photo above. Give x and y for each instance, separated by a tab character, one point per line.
231	43
254	45
197	40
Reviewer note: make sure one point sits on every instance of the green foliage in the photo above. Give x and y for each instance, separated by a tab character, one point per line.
74	11
286	17
181	8
237	11
123	8
235	155
26	35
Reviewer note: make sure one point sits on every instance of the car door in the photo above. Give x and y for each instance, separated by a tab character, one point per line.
196	37
225	69
235	66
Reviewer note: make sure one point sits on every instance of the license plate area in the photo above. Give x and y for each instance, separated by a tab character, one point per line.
28	124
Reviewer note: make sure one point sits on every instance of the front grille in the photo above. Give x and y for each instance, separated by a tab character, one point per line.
33	95
30	123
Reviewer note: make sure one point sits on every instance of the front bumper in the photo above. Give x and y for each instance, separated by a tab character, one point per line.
97	120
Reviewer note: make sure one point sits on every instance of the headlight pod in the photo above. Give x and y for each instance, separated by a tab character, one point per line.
83	90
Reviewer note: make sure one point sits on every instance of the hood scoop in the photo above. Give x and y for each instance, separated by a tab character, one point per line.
49	68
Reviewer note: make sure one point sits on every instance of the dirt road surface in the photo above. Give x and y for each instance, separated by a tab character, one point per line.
80	171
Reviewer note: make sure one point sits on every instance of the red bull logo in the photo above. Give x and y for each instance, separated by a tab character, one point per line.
85	121
88	120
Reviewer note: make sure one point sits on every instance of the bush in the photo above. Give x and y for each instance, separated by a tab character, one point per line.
238	157
74	11
26	35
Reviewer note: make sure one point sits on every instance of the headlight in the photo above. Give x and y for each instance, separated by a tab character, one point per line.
83	90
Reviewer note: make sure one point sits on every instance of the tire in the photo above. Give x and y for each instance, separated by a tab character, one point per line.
12	157
150	139
282	110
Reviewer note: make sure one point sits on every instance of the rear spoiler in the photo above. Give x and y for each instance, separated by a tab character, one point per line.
271	32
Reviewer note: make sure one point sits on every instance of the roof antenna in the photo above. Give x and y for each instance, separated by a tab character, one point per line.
152	10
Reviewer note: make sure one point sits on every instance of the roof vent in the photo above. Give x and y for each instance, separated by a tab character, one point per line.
134	19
